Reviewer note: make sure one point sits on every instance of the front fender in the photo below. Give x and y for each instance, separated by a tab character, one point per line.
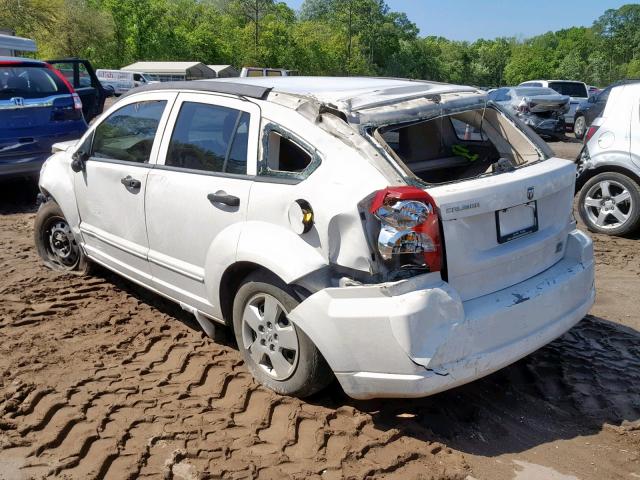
56	181
275	248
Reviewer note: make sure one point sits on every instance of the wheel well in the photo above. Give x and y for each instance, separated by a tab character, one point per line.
230	282
589	174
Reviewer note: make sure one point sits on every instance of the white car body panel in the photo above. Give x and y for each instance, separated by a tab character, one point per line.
422	335
432	341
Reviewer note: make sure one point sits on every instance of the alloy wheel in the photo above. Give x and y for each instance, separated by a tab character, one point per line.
269	336
608	204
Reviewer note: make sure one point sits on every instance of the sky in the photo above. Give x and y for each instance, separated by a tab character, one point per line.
473	19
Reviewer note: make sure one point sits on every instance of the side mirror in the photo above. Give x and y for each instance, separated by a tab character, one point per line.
592	99
78	160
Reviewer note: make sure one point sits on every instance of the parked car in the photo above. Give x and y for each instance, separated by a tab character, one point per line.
541	108
576	90
341	226
609	165
592	108
592	90
121	80
38	107
267	72
80	74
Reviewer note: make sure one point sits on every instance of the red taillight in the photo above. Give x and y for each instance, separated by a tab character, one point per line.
409	227
59	74
590	133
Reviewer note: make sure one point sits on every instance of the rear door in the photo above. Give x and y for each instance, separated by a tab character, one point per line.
198	191
110	192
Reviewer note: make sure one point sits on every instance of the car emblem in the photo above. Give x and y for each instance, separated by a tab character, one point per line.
530	192
18	101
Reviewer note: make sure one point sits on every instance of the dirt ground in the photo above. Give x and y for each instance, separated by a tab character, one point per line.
101	379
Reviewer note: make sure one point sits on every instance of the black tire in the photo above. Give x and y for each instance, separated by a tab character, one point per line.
310	372
580	127
50	222
592	190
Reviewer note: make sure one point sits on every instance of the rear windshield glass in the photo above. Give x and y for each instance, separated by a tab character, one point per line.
573	89
29	82
535	92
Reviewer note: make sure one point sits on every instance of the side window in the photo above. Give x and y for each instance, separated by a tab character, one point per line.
128	133
467	132
603	96
210	138
285	155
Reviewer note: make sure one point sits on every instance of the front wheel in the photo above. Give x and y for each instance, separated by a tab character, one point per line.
277	353
55	242
580	127
610	203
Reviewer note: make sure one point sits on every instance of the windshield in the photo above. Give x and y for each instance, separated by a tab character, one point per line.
573	89
29	82
534	92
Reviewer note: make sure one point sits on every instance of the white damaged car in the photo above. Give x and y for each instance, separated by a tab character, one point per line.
404	237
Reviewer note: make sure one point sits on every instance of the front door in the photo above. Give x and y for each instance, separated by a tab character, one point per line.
199	192
110	192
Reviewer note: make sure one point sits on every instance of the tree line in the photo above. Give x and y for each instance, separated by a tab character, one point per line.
326	37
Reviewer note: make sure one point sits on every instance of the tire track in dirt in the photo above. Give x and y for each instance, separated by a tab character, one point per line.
112	386
101	379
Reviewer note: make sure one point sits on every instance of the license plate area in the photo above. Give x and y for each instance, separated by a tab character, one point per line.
516	222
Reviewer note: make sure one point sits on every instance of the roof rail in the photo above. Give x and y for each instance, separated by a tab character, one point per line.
231	88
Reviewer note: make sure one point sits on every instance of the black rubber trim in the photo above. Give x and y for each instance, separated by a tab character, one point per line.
231	88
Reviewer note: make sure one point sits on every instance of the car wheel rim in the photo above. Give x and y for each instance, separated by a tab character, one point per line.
60	243
578	128
608	204
269	337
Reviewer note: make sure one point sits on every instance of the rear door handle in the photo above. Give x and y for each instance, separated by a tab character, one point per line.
130	182
224	198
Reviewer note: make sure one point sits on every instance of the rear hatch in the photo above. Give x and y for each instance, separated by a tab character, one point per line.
36	108
548	103
503	229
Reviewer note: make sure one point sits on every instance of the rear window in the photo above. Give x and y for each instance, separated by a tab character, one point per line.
573	89
29	82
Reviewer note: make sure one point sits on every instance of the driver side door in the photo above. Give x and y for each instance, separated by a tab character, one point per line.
110	191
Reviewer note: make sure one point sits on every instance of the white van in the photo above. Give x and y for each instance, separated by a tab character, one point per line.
121	80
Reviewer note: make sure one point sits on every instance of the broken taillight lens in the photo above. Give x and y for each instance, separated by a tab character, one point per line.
409	228
590	133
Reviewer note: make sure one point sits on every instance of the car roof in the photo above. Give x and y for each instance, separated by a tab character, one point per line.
557	81
353	92
30	61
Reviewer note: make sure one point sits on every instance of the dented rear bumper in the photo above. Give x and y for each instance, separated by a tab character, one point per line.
416	337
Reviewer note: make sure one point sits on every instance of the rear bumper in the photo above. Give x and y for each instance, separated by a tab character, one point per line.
551	127
416	338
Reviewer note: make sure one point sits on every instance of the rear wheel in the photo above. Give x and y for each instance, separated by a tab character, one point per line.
580	127
55	241
277	353
610	203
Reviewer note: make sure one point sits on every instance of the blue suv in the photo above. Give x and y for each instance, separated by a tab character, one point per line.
38	107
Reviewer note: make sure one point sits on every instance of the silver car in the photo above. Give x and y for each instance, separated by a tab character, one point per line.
578	92
543	109
609	166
